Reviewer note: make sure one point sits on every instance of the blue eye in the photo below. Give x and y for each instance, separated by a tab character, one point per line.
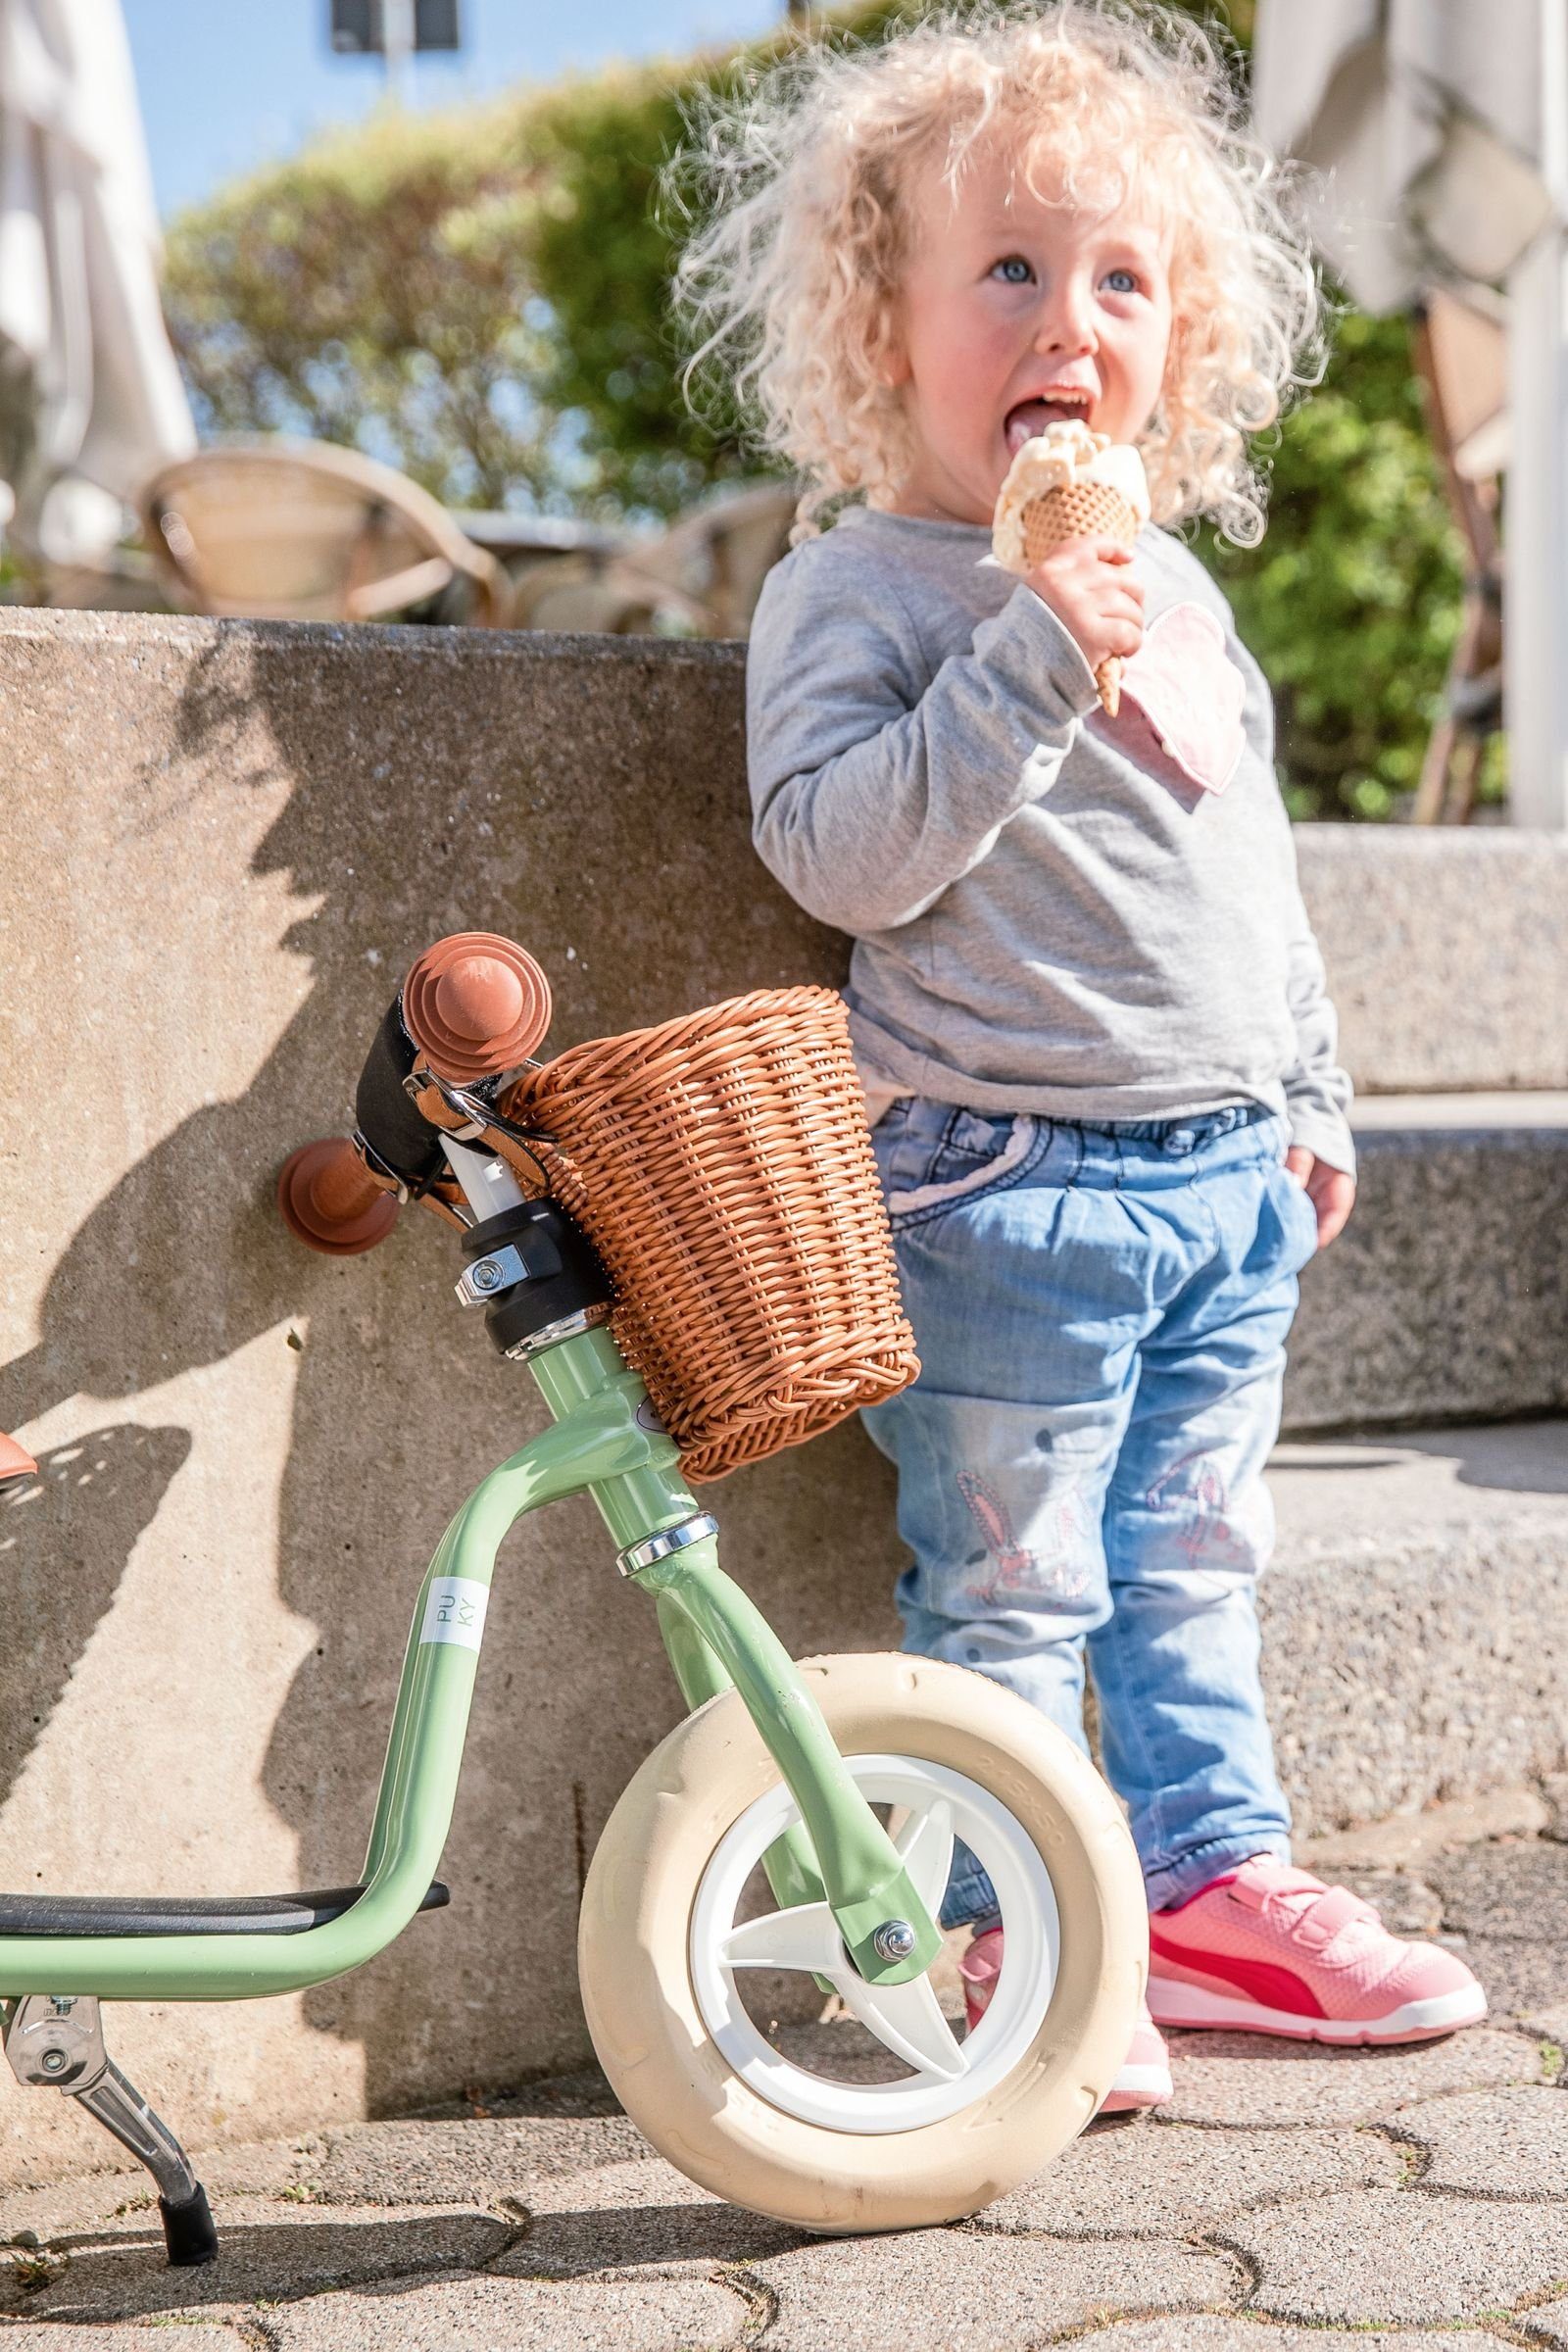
1015	270
1129	284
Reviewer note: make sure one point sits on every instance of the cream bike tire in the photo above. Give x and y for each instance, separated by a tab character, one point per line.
661	1952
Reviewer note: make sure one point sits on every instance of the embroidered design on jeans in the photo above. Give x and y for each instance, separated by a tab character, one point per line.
1016	1564
1012	1561
1194	1488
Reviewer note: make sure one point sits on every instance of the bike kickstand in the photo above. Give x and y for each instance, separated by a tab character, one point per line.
55	2041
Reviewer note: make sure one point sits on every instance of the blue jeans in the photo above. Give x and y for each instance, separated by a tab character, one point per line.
1101	1315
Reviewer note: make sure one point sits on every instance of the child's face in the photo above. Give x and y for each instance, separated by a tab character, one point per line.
1007	301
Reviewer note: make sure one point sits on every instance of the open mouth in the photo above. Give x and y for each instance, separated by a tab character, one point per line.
1031	417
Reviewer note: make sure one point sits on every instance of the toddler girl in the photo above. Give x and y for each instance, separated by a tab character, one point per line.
1086	1002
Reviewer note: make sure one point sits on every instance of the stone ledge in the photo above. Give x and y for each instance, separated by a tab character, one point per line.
1447	952
1414	1643
1447	1294
1428	994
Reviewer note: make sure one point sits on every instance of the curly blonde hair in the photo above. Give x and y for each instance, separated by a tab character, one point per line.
797	182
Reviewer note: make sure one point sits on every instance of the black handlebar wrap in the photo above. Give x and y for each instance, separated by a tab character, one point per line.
388	1121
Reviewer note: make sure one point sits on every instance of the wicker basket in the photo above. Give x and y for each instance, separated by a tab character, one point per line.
722	1168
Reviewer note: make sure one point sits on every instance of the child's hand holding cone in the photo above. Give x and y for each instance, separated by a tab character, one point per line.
1069	511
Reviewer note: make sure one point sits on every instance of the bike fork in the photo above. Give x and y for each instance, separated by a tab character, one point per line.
717	1638
887	1929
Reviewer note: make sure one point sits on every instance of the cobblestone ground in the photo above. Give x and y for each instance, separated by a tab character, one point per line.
1289	2197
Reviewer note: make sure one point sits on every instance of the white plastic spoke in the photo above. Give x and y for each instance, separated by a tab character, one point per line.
805	1935
938	2079
924	1846
907	2020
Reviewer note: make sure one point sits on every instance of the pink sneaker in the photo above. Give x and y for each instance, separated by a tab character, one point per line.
1143	2077
1270	1950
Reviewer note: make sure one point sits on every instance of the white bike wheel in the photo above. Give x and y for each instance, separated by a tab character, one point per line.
661	1946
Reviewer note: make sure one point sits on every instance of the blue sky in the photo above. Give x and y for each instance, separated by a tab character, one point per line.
229	85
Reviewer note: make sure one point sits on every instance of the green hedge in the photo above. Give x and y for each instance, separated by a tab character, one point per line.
1351	602
480	297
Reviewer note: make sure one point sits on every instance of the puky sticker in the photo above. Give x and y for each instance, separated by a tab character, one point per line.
455	1611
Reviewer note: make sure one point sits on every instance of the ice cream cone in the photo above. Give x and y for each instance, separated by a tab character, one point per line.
1081	510
1065	483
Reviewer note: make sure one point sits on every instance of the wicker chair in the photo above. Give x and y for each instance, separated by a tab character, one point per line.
292	530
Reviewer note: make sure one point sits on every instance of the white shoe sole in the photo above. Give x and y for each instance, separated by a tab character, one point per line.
1172	2003
1137	2086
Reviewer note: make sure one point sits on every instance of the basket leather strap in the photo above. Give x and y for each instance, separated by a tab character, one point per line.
442	1195
468	1125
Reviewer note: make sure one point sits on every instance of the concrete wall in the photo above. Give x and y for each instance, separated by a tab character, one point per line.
1448	952
223	845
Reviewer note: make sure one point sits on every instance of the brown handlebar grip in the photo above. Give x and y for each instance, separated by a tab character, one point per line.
330	1202
475	1004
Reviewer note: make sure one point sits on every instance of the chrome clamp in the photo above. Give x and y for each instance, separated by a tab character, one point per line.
695	1529
55	2039
482	1280
565	1327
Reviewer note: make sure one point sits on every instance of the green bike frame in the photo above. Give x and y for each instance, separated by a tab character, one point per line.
603	1438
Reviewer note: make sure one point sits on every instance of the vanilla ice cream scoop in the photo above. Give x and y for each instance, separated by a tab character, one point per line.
1066	455
1063	483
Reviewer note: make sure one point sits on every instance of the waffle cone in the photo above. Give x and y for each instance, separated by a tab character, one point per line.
1079	510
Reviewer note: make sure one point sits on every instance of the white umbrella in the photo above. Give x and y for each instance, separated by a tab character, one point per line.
95	400
1440	129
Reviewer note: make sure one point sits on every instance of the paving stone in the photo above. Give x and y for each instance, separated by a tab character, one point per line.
973	2291
423	2163
1148	2180
1502	1890
215	2337
1519	1973
586	2093
33	2217
259	2168
1387	2254
1203	2334
840	2046
1548	2321
1551	2024
1254	2081
1554	1795
1407	1905
1409	1841
644	2217
267	2251
1494	2144
518	2314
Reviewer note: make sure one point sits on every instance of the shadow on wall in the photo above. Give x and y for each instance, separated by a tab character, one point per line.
65	1537
429	814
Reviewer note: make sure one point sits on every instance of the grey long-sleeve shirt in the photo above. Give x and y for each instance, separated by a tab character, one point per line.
1048	915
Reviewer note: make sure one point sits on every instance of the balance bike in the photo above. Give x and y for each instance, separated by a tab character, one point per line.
679	1233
